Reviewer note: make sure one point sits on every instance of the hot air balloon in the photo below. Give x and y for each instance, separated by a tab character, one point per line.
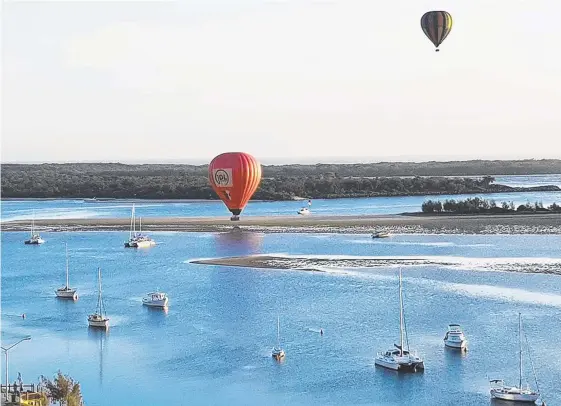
234	176
436	25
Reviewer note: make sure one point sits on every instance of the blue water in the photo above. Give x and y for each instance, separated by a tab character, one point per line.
24	209
213	346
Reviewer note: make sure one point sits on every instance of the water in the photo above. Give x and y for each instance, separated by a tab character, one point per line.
213	346
23	209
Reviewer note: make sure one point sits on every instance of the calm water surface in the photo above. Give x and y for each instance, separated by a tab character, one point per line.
213	345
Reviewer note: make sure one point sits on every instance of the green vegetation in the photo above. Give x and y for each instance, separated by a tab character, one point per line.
63	389
113	180
477	205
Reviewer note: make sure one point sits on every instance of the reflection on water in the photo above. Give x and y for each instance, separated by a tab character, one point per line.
157	315
238	242
100	337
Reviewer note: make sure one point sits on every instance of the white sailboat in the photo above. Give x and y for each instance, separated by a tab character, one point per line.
138	240
99	318
66	292
278	353
515	393
35	238
398	358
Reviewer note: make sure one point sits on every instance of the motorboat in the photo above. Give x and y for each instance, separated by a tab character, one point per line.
138	240
400	358
381	234
155	299
304	211
455	337
66	292
278	353
99	319
519	394
35	238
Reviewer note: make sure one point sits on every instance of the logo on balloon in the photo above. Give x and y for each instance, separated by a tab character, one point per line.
223	177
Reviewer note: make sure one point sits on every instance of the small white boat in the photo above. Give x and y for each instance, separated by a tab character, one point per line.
66	292
304	211
399	358
381	234
278	353
138	240
515	393
35	238
99	319
455	337
155	299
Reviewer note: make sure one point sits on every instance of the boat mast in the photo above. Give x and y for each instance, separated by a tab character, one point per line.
400	317
278	332
33	223
140	225
520	345
66	247
132	223
99	291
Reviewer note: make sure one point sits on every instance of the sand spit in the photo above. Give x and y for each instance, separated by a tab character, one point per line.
398	224
303	263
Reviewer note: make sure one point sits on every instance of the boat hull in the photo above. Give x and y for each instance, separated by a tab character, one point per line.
98	323
66	294
139	244
34	242
156	303
412	366
278	356
457	345
515	397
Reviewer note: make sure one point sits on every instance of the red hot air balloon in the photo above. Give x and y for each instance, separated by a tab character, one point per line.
234	176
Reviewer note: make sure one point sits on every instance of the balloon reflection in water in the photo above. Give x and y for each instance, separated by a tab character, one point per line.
238	242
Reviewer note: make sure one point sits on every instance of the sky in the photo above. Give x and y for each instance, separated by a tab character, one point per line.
309	81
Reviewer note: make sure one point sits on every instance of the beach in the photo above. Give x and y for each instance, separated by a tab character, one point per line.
549	223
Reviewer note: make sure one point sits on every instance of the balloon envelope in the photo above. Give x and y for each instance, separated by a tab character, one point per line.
436	25
234	176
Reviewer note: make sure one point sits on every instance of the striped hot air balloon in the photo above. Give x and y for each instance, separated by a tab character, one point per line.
436	25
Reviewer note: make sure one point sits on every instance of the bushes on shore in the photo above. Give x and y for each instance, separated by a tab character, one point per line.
477	205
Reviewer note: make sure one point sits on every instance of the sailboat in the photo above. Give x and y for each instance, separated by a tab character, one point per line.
138	240
99	318
515	393
278	353
398	358
66	292
35	238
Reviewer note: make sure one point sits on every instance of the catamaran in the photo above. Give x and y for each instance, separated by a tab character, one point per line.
515	393
35	238
398	358
99	318
66	292
278	353
138	240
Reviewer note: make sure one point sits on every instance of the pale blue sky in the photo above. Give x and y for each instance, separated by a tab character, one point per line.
163	81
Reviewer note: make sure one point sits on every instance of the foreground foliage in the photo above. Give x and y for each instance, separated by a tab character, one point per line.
63	389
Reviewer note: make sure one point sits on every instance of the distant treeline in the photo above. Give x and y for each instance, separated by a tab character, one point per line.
477	205
113	180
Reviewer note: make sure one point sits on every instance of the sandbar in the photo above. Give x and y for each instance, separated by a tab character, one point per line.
549	223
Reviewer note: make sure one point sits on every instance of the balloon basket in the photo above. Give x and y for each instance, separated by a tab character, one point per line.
235	218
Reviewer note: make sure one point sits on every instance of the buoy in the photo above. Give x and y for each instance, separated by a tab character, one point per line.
321	331
23	316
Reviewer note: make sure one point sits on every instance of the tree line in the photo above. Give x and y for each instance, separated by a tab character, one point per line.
191	182
477	205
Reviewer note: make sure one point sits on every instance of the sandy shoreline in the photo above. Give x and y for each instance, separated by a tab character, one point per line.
399	224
